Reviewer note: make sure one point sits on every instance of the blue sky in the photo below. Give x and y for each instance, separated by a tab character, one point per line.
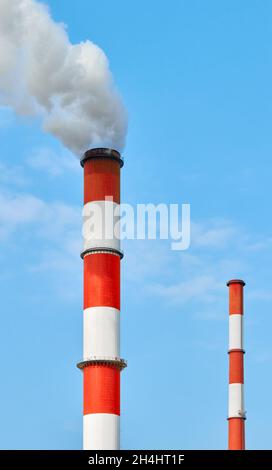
196	80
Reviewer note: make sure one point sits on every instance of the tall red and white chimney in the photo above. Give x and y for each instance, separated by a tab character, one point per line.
101	255
236	414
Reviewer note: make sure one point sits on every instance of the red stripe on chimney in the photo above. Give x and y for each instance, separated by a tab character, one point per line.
102	280
101	389
101	179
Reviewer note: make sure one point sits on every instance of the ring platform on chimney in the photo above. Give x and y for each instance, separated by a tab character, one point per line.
102	153
236	350
91	251
119	363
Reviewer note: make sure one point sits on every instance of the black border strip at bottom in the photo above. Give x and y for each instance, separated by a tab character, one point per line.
136	457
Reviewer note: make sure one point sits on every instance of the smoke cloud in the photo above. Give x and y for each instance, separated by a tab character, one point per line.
70	87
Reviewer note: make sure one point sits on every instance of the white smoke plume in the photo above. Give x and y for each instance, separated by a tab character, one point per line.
68	86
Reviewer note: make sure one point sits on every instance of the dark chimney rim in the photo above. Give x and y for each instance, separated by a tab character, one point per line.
102	152
236	281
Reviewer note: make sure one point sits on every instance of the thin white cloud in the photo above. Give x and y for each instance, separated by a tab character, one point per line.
197	275
12	175
213	233
56	228
53	221
260	245
260	294
53	163
145	259
18	209
202	288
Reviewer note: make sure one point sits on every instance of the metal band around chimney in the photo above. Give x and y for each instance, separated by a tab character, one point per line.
243	416
236	350
112	251
118	363
102	153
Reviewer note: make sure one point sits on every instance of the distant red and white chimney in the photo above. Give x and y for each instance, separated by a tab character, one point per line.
236	414
101	255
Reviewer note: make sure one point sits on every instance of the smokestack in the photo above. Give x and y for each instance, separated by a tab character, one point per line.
101	363
236	415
